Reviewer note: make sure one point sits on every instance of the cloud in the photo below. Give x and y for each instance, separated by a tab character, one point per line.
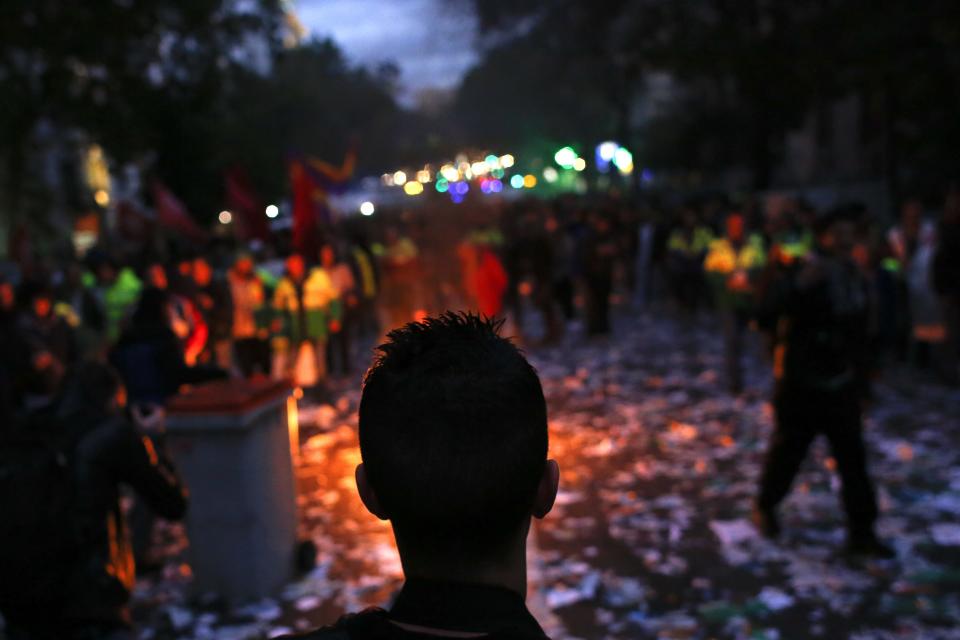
432	43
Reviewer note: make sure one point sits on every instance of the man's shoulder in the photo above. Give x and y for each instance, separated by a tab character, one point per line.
373	624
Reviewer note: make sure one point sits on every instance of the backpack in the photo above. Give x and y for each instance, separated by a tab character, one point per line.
39	544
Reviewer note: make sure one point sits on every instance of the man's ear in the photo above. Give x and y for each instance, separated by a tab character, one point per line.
547	490
367	496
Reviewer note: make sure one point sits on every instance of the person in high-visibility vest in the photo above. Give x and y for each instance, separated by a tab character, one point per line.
732	265
302	302
118	292
365	275
250	326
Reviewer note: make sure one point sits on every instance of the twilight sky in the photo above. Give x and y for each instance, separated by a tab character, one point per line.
432	41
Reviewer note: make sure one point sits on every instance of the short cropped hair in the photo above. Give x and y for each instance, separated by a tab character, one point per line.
453	434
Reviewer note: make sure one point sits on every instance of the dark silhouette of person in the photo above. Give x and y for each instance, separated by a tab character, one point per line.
821	365
111	451
453	437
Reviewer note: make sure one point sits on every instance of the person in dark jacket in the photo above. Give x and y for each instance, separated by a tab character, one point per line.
821	366
453	436
600	253
110	452
215	303
49	342
149	355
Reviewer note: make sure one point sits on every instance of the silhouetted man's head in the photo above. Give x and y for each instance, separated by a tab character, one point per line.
453	434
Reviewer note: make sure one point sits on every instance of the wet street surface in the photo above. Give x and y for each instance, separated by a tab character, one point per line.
651	536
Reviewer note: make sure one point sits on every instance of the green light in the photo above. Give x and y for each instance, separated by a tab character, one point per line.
492	160
441	185
516	181
565	157
497	173
623	159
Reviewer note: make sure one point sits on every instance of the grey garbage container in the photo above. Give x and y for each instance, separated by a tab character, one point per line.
231	441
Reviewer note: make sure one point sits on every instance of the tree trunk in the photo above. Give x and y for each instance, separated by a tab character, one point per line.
891	159
761	154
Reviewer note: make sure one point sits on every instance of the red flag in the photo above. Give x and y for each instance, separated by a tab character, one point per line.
172	214
304	211
247	208
311	180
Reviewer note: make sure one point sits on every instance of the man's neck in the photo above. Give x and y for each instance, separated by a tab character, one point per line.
454	608
508	570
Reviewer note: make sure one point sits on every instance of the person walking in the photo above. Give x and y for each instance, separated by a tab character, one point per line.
820	369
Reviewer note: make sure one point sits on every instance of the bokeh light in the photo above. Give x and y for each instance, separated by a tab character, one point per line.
606	150
367	208
565	157
623	160
450	172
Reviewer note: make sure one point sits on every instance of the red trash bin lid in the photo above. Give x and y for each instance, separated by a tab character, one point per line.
228	396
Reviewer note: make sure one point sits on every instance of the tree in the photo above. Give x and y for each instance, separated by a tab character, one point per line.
106	68
757	68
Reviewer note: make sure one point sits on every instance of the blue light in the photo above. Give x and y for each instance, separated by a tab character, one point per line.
496	186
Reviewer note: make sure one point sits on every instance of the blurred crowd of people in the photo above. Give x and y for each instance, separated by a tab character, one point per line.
163	321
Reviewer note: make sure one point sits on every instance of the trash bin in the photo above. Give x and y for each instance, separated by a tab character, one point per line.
231	441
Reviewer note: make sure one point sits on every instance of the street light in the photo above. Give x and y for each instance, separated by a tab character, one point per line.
367	208
225	217
399	178
272	211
